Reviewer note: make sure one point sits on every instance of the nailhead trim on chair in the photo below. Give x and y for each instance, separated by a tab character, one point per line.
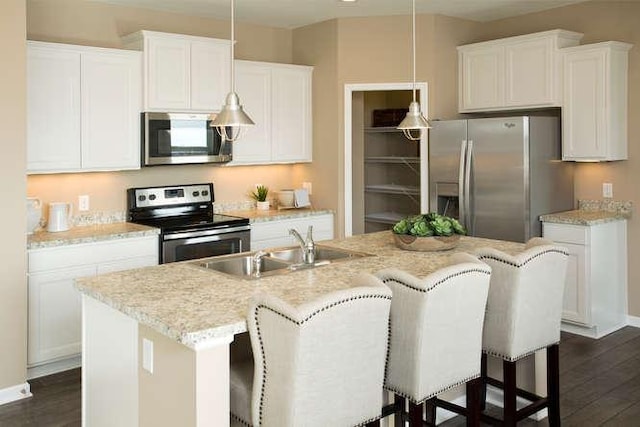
401	393
460	273
495	258
419	402
516	358
264	363
240	420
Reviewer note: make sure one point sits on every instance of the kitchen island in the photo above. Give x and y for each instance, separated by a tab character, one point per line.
156	340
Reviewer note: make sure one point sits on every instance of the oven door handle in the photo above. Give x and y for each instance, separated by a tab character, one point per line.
205	233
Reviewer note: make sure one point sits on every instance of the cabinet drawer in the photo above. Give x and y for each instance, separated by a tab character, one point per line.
566	233
91	253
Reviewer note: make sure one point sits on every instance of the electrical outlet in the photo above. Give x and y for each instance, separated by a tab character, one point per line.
307	186
83	203
607	190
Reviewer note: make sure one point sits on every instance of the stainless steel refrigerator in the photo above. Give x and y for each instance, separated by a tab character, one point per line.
498	175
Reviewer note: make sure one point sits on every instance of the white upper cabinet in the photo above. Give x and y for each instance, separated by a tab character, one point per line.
182	73
277	97
513	73
594	116
83	108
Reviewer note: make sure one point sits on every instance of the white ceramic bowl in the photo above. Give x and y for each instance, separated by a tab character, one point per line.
285	198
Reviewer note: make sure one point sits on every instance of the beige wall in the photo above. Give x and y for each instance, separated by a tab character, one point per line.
13	286
600	21
99	24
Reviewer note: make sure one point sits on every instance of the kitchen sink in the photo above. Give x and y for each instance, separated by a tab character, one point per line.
275	261
243	266
324	255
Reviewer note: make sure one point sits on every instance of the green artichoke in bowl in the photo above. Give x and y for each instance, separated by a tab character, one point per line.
427	225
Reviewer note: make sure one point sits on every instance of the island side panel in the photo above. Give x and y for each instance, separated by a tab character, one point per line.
109	366
187	387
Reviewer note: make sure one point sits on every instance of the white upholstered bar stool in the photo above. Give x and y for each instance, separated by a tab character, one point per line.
523	315
435	339
318	364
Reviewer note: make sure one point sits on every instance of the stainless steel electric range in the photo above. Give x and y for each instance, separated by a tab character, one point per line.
188	227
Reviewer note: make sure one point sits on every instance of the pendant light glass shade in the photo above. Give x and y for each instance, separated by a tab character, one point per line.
415	122
231	120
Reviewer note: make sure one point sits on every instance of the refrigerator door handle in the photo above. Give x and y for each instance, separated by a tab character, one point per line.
461	184
467	186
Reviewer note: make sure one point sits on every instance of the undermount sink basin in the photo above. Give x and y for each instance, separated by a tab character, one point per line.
324	254
275	261
243	265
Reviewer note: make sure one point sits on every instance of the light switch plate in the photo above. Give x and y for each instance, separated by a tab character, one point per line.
307	186
83	203
147	355
607	190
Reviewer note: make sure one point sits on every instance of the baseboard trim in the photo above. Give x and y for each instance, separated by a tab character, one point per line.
633	321
54	367
16	392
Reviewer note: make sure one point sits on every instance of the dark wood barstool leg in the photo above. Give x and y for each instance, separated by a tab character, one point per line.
553	384
398	417
483	384
509	378
430	406
375	423
415	415
473	402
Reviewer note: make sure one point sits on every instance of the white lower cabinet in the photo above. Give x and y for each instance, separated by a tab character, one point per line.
54	304
272	234
595	295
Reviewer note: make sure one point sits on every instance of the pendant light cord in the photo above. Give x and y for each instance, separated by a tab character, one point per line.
233	41
413	38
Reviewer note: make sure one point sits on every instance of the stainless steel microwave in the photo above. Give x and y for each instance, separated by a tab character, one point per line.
182	138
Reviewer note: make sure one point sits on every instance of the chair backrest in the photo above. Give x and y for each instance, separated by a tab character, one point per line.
322	363
436	327
525	299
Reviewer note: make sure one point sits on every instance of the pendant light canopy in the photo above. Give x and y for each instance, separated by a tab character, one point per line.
415	122
231	120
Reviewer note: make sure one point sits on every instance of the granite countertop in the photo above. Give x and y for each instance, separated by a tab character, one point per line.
89	234
592	212
193	305
256	215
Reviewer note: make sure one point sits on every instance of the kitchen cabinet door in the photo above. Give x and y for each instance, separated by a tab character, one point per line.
53	109
253	85
531	73
291	128
481	77
55	315
576	294
168	74
273	234
594	117
210	81
111	105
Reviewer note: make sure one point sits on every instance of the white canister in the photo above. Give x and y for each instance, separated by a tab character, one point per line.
34	213
59	216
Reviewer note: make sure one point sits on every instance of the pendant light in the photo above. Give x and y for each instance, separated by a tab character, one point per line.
231	120
415	122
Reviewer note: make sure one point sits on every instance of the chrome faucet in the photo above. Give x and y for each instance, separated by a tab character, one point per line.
307	245
257	262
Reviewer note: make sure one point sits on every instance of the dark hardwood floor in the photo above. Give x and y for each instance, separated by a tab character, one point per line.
599	386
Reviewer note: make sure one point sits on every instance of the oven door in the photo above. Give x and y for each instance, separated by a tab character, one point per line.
183	246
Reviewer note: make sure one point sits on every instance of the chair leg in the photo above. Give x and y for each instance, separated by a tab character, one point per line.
398	417
509	374
415	415
430	406
375	423
553	384
483	385
473	402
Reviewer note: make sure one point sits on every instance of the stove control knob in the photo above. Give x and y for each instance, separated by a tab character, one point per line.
142	197
196	193
205	193
152	197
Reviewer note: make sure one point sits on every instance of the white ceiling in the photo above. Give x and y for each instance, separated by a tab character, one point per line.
297	13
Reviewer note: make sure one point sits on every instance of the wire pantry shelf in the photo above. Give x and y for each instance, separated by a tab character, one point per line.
393	189
385	217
